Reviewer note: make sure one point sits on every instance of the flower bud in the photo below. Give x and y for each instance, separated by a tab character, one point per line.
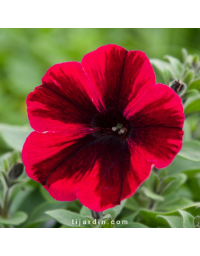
15	171
178	86
195	60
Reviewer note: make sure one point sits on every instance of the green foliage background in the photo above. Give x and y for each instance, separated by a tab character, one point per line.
169	198
26	54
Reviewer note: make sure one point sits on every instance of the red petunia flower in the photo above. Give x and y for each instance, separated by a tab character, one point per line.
101	125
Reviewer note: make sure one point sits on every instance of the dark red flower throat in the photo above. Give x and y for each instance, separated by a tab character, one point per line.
112	123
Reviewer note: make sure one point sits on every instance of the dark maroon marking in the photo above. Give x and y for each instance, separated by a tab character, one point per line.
128	82
77	159
62	108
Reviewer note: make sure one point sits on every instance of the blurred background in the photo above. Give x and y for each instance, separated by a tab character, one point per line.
26	54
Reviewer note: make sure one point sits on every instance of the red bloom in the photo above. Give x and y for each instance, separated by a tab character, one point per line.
101	125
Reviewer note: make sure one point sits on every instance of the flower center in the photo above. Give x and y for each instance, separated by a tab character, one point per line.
119	128
111	124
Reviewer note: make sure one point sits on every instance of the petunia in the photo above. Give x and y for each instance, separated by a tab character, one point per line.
100	127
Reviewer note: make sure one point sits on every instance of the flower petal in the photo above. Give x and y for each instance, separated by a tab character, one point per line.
139	170
39	147
65	97
157	119
117	74
94	170
116	181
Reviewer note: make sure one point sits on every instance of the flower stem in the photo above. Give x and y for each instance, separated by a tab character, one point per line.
4	212
97	215
5	200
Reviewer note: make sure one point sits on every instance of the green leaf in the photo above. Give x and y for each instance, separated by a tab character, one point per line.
197	221
195	85
128	215
194	185
152	182
85	211
19	197
176	65
191	150
150	219
131	225
107	216
74	206
69	218
193	209
189	93
173	202
192	104
46	194
195	60
188	219
165	69
107	224
14	136
38	215
173	221
174	184
16	219
132	204
180	164
8	159
188	77
187	131
151	194
3	146
185	54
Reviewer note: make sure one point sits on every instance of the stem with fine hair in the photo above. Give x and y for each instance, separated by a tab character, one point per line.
96	215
